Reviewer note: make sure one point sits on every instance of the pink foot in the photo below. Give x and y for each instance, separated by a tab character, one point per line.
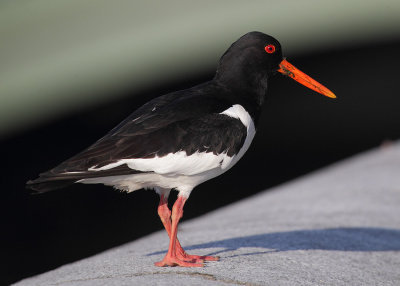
174	261
176	256
181	253
197	258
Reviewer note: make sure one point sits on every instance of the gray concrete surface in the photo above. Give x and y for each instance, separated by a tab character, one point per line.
337	226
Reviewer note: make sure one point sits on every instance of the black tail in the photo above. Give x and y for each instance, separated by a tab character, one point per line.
52	180
43	184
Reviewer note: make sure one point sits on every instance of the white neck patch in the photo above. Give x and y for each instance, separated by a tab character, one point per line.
237	111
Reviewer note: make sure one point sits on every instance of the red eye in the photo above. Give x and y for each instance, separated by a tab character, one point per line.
270	49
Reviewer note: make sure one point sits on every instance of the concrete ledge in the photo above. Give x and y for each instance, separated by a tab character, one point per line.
337	226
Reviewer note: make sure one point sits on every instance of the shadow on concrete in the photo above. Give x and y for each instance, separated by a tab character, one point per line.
335	239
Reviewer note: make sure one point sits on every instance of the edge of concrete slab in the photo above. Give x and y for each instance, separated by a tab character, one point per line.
337	226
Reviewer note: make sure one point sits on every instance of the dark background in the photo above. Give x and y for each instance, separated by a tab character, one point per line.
300	131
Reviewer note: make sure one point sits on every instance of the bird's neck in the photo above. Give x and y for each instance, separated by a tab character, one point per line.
249	90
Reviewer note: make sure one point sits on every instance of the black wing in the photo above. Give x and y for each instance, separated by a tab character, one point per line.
186	120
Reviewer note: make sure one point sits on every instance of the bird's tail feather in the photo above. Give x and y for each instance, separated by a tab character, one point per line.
52	180
42	185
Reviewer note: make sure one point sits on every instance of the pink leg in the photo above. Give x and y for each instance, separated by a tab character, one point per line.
176	255
165	216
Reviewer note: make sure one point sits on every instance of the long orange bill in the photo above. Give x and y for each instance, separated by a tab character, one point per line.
290	70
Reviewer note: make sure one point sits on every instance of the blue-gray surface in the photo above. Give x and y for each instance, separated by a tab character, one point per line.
337	226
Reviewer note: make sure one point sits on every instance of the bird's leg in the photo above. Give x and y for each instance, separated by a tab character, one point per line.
165	216
164	213
171	258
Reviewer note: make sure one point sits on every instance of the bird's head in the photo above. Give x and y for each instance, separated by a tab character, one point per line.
255	56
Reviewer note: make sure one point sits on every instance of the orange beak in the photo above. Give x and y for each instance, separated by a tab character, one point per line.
291	71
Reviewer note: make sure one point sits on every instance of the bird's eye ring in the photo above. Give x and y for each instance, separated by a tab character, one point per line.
270	49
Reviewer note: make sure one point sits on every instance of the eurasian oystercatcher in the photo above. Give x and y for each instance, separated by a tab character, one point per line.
184	138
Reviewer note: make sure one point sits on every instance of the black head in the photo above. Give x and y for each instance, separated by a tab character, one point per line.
249	61
253	53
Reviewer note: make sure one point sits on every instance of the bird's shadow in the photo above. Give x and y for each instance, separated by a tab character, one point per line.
332	239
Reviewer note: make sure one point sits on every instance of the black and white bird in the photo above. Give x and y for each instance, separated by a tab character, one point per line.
182	139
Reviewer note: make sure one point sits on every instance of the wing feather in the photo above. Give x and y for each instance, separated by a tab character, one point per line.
187	121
